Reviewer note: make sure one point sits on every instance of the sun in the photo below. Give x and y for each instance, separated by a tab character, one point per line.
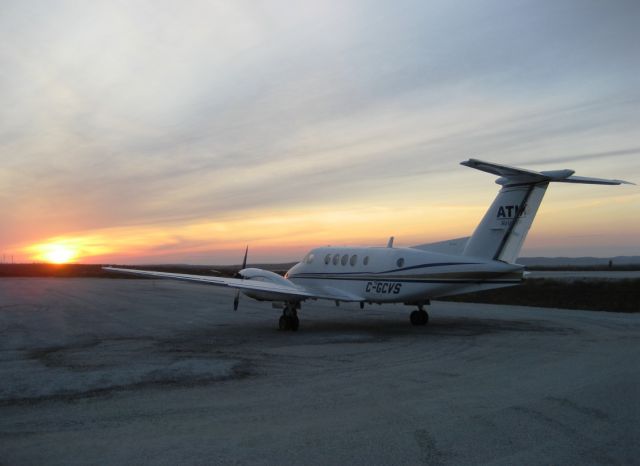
64	249
59	254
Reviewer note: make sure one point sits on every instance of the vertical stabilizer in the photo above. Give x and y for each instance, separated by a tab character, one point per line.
503	229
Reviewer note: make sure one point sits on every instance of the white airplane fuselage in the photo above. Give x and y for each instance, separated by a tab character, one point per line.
385	275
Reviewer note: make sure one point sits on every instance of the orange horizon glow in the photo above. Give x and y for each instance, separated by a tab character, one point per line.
287	234
282	236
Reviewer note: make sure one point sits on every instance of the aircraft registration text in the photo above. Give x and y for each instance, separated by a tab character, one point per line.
383	287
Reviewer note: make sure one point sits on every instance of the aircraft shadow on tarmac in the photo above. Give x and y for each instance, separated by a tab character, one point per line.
386	329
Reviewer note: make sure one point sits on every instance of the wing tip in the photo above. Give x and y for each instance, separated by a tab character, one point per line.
470	162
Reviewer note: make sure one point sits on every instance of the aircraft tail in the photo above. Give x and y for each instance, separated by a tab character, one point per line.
504	227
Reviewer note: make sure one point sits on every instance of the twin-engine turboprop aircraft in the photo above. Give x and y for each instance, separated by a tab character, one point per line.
412	276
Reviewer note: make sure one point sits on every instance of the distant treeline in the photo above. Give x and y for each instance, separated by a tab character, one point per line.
581	263
51	270
589	294
96	271
585	268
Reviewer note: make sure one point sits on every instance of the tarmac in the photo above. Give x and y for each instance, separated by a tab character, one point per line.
127	371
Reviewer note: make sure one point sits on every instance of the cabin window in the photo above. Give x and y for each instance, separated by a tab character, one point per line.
365	261
327	259
336	258
353	260
400	262
345	259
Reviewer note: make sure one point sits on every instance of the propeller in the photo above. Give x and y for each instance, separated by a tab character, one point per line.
236	300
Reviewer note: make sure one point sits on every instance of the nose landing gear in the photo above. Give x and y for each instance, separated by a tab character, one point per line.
289	318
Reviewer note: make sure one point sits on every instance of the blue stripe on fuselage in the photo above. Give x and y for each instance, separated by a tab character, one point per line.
413	267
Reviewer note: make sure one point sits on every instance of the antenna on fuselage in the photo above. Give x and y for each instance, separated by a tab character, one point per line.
390	242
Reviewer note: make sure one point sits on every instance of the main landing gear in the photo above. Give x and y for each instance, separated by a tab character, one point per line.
419	317
289	318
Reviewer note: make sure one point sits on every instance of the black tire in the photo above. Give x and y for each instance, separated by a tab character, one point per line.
294	323
283	323
419	318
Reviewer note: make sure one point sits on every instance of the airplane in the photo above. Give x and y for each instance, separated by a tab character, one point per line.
414	275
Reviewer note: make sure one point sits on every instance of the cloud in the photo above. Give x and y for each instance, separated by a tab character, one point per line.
591	156
154	114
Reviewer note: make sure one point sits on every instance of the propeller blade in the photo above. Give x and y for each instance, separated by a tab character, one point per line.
236	300
244	261
244	264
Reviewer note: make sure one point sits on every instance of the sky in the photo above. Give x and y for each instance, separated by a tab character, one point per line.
166	131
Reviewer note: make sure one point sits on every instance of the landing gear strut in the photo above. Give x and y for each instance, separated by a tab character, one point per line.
289	318
419	317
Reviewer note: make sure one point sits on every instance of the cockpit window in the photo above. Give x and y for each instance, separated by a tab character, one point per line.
353	260
310	257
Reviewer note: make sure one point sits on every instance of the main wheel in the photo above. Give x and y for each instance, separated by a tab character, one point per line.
282	323
419	318
294	323
288	323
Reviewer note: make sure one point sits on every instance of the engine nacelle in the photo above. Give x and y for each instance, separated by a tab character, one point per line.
264	275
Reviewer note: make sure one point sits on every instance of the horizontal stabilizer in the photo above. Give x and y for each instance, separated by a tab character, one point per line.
589	180
510	176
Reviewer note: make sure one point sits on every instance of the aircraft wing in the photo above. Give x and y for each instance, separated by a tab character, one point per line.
274	290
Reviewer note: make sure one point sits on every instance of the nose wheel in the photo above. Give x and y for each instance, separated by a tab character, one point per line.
289	319
419	317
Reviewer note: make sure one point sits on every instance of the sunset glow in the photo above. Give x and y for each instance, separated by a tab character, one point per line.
56	253
273	236
286	235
